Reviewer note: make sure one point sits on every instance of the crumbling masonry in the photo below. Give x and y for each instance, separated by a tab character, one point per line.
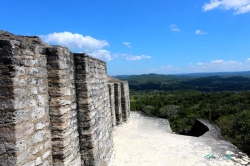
56	107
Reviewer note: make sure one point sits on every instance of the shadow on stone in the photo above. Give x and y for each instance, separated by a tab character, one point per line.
202	128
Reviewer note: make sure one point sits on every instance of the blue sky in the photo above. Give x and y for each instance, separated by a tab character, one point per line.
141	36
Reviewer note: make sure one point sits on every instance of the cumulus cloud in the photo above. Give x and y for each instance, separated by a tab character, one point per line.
239	6
199	32
74	41
174	28
132	57
213	66
101	54
216	61
79	43
127	44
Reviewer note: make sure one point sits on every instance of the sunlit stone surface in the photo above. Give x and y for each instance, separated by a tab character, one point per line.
146	141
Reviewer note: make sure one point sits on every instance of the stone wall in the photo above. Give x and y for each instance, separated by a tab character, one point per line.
112	103
125	101
121	104
56	107
96	140
25	137
63	108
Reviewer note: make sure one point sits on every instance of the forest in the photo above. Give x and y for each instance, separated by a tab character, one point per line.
223	100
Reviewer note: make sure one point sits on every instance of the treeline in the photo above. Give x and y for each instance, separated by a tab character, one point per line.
187	82
229	110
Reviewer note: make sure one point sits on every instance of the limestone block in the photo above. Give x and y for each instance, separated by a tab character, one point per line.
60	110
7	148
39	136
41	125
37	149
46	163
38	113
22	156
61	143
38	161
60	126
46	155
24	129
62	153
30	163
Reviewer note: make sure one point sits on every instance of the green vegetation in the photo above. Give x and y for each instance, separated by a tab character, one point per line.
185	82
224	101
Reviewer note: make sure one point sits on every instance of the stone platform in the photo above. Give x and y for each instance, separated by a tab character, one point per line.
146	141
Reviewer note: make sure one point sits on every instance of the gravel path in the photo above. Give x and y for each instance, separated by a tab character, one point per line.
146	141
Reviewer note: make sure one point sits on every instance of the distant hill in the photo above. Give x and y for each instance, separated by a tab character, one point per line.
241	73
233	81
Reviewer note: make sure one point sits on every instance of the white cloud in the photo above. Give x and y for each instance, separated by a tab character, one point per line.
217	61
131	57
199	64
79	43
174	28
101	54
199	32
74	41
127	44
239	6
248	59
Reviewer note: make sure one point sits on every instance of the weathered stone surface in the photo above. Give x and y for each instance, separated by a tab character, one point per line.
125	101
24	102
55	106
147	141
112	103
92	93
65	140
121	99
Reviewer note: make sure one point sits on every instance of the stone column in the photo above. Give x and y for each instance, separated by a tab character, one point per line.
112	103
118	106
125	101
95	128
25	138
63	114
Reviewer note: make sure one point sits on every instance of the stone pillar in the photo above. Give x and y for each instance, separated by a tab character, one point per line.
24	112
118	106
95	128
112	103
125	101
63	114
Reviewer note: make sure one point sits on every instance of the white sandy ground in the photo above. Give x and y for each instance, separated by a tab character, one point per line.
145	141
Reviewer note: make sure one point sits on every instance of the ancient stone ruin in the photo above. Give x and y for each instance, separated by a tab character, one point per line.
56	107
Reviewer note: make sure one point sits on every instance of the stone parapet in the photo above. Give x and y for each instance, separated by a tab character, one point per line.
56	108
25	136
125	101
121	99
112	103
63	108
96	140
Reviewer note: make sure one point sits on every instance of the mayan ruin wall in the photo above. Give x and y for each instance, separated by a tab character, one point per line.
56	107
